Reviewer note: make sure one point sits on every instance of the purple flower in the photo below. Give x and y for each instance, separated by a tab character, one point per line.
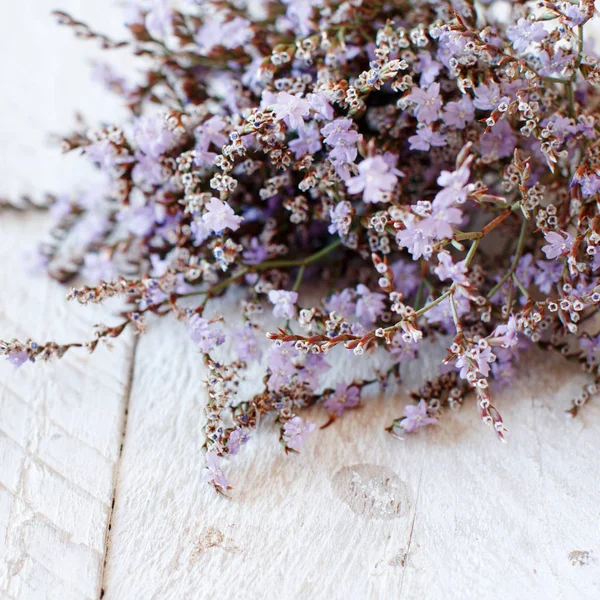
458	114
207	338
17	357
416	417
557	244
524	33
283	302
256	253
237	438
374	179
480	358
370	304
448	270
344	398
555	63
488	97
343	303
293	109
314	366
152	136
498	143
200	232
456	186
308	141
428	68
281	365
425	138
427	101
549	273
246	345
507	335
158	19
414	238
219	216
439	224
574	15
213	472
97	268
320	106
406	278
340	130
341	218
295	432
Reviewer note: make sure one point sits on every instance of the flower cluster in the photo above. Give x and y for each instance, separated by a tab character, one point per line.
365	149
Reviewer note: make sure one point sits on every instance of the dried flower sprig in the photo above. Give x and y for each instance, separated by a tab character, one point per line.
434	169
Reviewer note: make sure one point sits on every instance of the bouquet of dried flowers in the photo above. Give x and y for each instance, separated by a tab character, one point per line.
434	166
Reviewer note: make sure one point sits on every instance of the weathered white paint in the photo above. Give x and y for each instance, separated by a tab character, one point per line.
448	513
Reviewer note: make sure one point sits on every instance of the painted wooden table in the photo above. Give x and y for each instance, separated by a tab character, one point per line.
100	456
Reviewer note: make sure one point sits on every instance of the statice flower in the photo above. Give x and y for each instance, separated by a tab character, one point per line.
447	269
158	18
295	432
237	438
589	345
369	305
427	102
459	113
281	366
344	398
17	358
308	141
341	218
425	138
284	303
219	216
291	108
477	359
314	366
524	33
456	186
548	274
247	345
98	267
212	471
207	338
375	178
415	418
152	136
507	335
489	96
343	303
499	142
558	244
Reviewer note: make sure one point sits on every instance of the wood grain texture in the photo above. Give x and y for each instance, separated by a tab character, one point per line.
61	424
449	512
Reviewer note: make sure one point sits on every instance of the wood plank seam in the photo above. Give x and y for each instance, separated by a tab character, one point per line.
124	421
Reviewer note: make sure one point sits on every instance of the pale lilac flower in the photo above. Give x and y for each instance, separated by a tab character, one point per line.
557	244
488	96
307	142
524	33
299	12
459	113
284	303
17	357
236	33
207	338
342	303
98	268
256	253
428	68
548	274
555	63
447	269
293	109
370	304
425	138
340	130
212	470
428	102
246	345
211	131
498	143
507	335
342	399
295	432
574	15
281	365
314	366
200	232
416	417
219	216
439	224
406	278
589	345
158	19
152	136
237	438
323	110
481	358
455	184
414	239
374	179
341	218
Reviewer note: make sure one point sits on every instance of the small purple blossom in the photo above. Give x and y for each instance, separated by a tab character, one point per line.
295	432
17	357
237	438
524	33
292	108
557	244
247	345
98	268
314	366
212	471
427	102
342	399
307	142
370	304
459	113
375	178
489	96
283	303
425	138
207	338
219	216
341	218
507	335
281	366
152	136
416	417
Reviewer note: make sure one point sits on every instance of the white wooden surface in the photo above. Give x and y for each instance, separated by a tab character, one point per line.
448	513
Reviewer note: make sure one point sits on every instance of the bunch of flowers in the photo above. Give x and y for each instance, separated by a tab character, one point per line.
433	166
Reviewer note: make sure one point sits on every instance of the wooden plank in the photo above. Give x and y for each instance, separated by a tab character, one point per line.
60	424
449	512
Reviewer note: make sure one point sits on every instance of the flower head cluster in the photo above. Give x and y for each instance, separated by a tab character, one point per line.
368	175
